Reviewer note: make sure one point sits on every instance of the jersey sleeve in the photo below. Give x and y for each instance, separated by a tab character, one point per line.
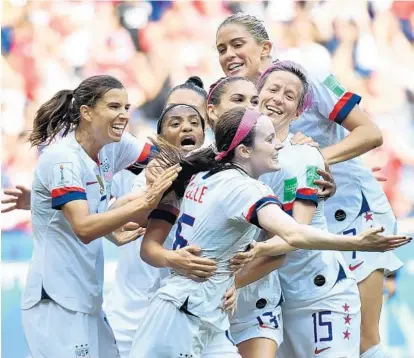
244	201
132	151
65	179
168	209
307	174
331	99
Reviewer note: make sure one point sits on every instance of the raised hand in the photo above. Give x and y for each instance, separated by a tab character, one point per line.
372	240
155	191
126	234
19	197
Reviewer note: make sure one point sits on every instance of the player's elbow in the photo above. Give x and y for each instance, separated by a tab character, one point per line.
83	234
144	253
294	238
374	136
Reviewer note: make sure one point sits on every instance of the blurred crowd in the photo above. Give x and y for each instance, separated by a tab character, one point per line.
152	46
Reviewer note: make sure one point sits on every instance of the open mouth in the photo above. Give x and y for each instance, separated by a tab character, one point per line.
274	110
234	67
188	142
118	128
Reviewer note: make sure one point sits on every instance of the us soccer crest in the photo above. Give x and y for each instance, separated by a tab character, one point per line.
82	351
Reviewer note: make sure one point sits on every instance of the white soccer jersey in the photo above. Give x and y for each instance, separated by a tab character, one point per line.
331	105
305	274
70	272
135	280
217	213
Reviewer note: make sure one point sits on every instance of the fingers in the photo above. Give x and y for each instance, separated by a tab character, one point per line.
12	192
375	169
9	200
22	188
374	231
196	278
201	274
325	175
8	209
130	226
192	249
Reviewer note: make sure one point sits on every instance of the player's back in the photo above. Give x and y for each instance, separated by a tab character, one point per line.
216	214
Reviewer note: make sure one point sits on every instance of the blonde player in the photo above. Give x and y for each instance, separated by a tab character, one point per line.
222	207
344	132
61	305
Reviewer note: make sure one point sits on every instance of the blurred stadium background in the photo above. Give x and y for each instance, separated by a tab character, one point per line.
152	46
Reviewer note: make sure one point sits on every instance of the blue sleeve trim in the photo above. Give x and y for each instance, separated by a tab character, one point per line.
59	201
348	107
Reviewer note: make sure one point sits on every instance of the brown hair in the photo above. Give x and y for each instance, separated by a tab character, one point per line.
62	112
204	159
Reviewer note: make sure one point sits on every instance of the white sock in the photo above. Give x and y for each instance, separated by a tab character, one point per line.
375	352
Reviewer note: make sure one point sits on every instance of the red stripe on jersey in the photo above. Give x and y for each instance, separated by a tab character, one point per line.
307	191
340	104
170	208
145	153
288	206
68	189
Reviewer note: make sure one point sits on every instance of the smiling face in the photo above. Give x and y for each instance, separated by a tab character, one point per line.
109	117
236	94
280	97
239	53
181	127
264	154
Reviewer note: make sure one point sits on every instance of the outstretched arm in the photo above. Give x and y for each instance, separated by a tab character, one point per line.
276	222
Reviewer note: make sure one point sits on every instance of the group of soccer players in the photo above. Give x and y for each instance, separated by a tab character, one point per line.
238	247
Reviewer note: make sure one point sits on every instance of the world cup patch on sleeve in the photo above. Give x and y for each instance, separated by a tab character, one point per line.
289	189
311	176
334	85
62	174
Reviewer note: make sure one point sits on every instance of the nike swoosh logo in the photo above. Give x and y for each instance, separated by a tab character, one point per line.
91	182
353	268
317	351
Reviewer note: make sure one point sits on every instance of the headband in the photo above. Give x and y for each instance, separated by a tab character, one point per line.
247	123
218	83
164	112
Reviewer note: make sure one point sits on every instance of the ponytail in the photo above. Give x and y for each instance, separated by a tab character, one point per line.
52	117
61	114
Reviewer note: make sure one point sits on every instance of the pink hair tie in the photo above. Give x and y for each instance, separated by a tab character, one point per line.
210	93
247	123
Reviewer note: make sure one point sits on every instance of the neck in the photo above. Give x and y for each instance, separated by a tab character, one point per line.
282	131
245	168
264	66
88	143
